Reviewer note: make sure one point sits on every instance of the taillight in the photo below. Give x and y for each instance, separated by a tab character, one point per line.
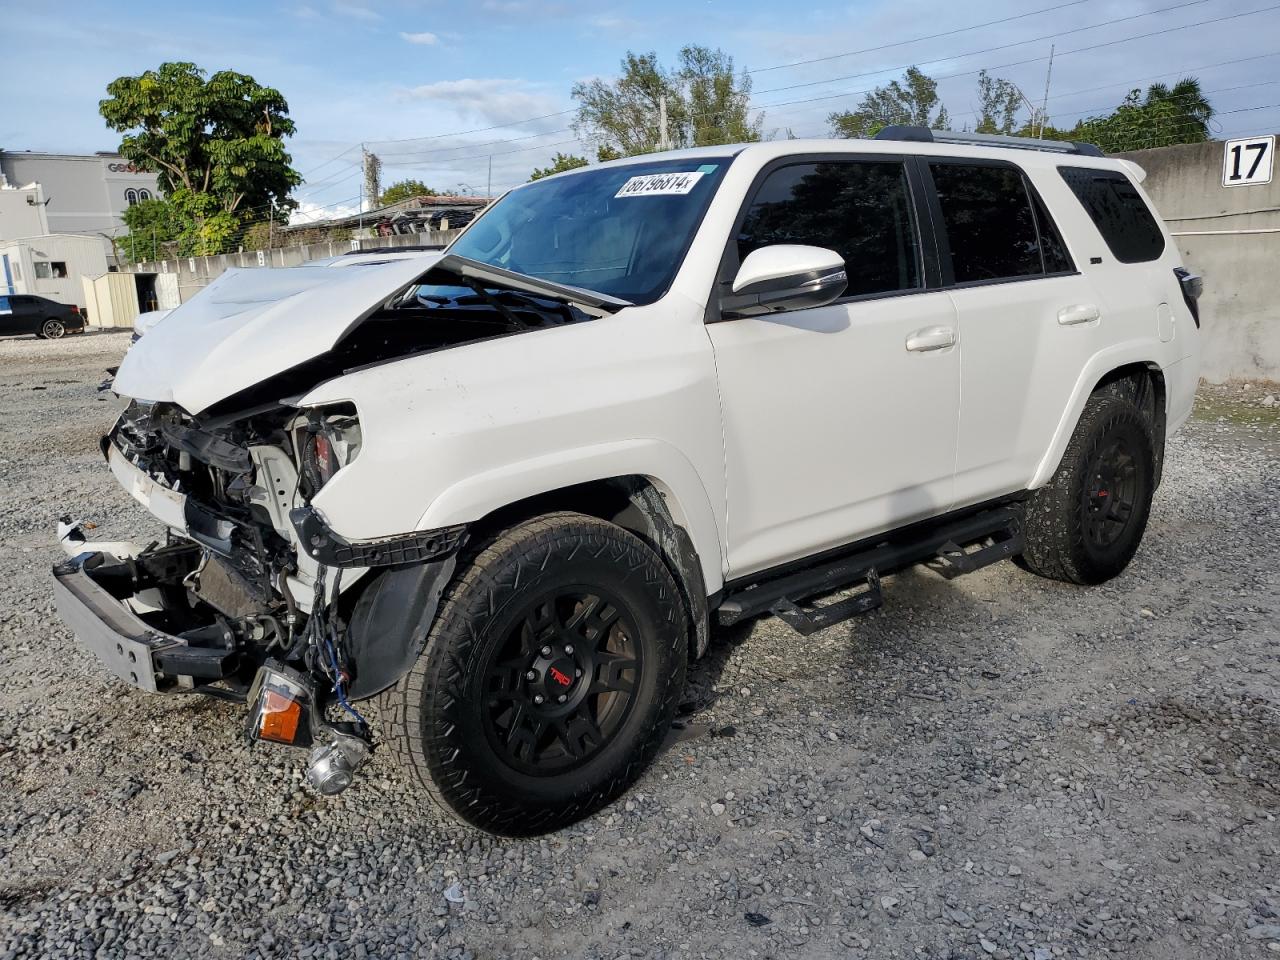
1191	285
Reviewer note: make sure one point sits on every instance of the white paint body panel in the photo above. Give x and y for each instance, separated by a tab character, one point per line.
771	437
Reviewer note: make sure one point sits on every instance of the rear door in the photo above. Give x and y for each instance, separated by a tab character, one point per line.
10	321
26	315
839	421
1029	320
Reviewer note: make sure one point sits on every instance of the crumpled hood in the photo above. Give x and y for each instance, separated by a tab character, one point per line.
250	324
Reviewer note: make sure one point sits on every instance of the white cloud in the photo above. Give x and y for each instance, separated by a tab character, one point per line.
357	11
308	212
424	38
494	100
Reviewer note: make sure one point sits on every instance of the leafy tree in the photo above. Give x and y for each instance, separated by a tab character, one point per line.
152	230
216	144
405	190
605	153
1160	118
707	104
913	101
559	164
998	103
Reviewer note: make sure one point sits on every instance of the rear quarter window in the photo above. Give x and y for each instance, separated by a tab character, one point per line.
1118	211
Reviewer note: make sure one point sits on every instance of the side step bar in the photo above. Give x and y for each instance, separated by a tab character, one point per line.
954	548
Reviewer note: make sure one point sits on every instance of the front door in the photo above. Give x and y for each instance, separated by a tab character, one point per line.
839	421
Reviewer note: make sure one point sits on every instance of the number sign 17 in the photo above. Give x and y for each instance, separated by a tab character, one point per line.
1248	162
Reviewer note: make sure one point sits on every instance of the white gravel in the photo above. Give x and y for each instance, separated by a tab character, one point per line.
993	766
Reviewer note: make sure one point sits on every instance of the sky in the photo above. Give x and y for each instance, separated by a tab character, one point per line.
470	97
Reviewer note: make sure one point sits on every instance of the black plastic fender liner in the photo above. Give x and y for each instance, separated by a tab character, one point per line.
390	622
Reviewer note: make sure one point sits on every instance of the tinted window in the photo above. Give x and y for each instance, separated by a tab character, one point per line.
1118	211
987	216
1056	258
860	210
620	230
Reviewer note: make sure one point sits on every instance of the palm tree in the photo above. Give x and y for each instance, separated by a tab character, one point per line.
1185	108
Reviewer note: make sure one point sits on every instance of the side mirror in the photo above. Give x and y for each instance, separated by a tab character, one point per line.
785	276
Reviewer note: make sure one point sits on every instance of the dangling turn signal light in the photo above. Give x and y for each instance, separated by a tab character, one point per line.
281	706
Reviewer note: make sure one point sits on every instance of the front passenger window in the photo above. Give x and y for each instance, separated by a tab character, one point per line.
859	209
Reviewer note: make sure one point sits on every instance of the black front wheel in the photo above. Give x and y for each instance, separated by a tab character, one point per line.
549	679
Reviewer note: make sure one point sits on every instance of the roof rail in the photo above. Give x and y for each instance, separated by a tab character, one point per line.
925	135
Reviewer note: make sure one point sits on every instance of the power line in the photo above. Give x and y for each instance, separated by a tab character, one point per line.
932	36
1003	46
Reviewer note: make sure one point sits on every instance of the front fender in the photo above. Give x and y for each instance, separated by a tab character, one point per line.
1102	363
473	497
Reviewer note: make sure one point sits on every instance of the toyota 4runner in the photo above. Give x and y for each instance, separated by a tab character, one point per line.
508	488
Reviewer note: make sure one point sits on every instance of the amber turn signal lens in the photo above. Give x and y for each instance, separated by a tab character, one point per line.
279	718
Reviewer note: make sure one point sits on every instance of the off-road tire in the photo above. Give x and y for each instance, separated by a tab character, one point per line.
1056	517
53	329
434	718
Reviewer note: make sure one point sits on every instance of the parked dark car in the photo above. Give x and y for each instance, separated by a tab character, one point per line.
22	313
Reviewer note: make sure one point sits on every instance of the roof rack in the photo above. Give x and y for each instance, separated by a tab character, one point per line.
926	135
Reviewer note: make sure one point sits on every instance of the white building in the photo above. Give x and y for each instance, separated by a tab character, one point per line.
51	266
81	194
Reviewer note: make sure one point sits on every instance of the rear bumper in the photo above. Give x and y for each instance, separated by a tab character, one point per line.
134	651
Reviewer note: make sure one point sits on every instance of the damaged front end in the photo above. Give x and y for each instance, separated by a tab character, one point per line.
250	596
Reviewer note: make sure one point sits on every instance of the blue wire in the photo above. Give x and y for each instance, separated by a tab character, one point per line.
338	686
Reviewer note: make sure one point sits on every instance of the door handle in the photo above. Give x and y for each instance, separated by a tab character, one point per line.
1078	313
931	338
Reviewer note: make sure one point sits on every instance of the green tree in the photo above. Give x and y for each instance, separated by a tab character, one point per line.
405	190
998	104
913	101
216	145
706	104
559	164
1162	117
152	230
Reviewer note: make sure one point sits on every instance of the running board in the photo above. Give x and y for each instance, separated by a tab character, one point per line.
953	548
812	618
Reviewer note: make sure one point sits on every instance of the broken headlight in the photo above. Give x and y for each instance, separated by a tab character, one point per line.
327	441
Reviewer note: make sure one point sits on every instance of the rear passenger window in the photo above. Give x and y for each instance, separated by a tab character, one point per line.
990	226
861	210
1118	211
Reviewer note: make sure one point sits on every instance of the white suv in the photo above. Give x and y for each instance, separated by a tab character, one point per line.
508	488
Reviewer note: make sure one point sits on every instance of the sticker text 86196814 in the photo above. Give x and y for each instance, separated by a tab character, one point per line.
660	184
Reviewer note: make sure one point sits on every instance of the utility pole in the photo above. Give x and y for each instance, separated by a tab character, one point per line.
1044	106
663	142
271	228
364	173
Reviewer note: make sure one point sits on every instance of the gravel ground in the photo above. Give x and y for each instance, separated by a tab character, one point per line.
996	765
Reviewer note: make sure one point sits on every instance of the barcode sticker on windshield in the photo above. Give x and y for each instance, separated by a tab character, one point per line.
660	184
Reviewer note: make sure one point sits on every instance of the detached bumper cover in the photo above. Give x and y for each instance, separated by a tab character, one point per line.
138	654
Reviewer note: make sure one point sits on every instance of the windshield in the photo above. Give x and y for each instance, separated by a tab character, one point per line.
620	231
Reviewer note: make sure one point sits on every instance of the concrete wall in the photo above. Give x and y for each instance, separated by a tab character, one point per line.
1231	237
194	273
22	212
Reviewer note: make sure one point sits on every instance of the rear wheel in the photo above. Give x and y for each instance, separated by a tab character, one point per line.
1086	524
549	679
53	330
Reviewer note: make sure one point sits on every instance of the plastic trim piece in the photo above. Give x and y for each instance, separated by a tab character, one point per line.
324	546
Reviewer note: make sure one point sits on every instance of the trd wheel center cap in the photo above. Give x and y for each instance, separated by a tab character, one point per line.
556	678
